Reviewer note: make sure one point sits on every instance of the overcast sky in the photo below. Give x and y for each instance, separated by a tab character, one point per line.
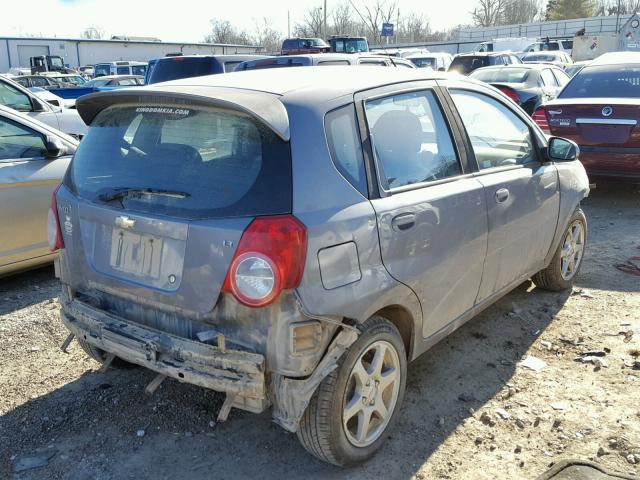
186	20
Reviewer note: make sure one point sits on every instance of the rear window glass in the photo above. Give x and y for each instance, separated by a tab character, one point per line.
504	75
604	81
424	62
211	163
274	63
174	68
466	65
540	58
102	70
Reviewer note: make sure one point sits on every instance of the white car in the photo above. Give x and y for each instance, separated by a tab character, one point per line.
565	46
15	96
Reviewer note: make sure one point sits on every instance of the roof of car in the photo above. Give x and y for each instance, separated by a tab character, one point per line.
483	54
526	66
114	77
260	93
616	58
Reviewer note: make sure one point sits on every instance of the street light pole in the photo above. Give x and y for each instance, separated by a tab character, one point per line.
324	23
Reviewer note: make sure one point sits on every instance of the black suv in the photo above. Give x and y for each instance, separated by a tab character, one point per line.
184	66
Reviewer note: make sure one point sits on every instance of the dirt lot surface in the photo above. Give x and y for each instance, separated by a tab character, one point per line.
472	411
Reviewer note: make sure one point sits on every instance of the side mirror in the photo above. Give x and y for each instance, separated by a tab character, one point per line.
55	147
442	69
562	150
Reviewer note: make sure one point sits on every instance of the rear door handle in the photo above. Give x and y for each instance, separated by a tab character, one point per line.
502	195
402	222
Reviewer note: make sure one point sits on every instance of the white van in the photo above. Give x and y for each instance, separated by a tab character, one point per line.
505	45
119	68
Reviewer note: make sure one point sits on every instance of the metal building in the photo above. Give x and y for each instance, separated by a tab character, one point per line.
16	51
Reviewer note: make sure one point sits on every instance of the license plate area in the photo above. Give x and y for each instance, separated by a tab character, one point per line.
138	254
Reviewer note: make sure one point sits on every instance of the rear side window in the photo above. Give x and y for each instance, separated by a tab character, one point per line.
139	69
548	78
411	139
122	70
345	146
218	163
498	136
173	68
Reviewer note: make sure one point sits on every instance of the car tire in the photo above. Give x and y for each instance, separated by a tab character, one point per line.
326	430
567	259
100	355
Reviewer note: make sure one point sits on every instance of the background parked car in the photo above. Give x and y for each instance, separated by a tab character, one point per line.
560	59
41	81
528	85
550	46
599	109
466	63
67	79
435	60
324	60
187	66
109	82
575	67
14	95
347	44
298	46
119	68
33	159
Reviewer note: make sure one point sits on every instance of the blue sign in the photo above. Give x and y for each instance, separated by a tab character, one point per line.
387	30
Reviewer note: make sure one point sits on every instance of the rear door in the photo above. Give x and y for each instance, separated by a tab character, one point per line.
197	177
431	216
522	194
27	180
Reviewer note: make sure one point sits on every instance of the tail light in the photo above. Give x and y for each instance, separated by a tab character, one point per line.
511	93
270	258
540	117
54	233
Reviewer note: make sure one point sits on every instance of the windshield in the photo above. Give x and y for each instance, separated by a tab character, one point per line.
351	45
604	81
278	62
138	69
502	75
226	163
56	62
465	65
173	68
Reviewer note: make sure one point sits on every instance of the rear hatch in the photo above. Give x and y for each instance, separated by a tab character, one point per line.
158	195
606	129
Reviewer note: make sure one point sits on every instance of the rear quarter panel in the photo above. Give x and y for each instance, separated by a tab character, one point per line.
335	213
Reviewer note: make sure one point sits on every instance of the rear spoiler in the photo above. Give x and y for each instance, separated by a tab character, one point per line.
264	107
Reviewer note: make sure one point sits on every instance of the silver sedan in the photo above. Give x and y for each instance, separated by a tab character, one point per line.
33	160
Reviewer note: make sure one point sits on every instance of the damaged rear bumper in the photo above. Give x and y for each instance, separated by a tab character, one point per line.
239	374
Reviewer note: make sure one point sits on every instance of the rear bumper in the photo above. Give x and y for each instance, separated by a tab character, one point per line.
611	162
234	372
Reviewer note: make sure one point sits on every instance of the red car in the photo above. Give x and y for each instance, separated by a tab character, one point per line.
599	109
301	46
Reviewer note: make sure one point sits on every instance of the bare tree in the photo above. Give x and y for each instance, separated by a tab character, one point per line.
615	7
222	31
311	26
92	33
413	28
488	13
377	14
342	20
521	11
269	38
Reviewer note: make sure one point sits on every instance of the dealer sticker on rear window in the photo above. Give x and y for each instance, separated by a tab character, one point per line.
165	111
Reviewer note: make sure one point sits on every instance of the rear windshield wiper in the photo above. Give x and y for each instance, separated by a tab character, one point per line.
120	193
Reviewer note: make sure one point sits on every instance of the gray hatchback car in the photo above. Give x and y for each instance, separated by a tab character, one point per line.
294	238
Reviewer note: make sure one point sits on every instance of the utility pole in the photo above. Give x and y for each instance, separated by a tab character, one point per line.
288	24
324	23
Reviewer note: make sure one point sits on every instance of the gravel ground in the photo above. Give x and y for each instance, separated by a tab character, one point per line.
471	410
